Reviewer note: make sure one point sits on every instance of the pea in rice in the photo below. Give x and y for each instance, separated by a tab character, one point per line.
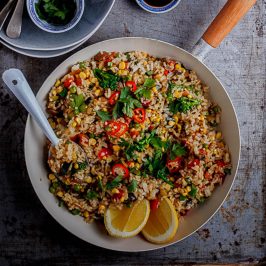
148	130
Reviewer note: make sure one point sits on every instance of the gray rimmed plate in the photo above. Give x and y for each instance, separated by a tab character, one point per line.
33	38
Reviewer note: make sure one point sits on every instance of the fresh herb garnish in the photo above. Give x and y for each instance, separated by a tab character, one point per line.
149	73
177	150
55	11
183	105
182	198
104	115
82	65
75	211
106	79
114	183
63	93
145	90
91	194
193	191
77	103
132	186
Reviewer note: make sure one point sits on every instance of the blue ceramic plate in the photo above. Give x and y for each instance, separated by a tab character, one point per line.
33	38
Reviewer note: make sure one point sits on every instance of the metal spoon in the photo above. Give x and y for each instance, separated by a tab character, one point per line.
4	12
18	84
14	26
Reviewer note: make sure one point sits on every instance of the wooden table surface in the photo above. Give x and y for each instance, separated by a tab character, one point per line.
30	236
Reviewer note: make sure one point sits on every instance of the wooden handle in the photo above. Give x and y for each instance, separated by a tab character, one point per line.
225	21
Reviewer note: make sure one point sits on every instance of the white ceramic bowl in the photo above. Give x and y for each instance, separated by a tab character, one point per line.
158	9
44	25
95	233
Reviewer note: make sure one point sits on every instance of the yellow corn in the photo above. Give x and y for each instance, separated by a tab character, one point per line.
59	89
163	192
115	191
82	75
54	98
92	141
86	214
116	148
158	119
158	76
154	89
189	96
179	68
101	208
188	188
122	65
122	199
60	194
74	124
97	92
176	118
104	109
122	72
177	94
88	180
57	83
184	193
172	179
179	127
76	166
78	120
51	177
145	63
131	165
94	80
167	187
218	135
137	166
171	123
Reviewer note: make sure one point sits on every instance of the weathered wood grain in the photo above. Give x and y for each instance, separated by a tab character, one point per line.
30	236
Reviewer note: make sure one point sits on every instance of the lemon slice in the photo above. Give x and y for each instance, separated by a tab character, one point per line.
127	222
162	223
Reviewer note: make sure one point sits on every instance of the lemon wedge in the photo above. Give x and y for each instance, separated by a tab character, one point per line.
127	222
162	223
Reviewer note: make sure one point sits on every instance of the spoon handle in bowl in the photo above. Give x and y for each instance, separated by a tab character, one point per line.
4	12
18	84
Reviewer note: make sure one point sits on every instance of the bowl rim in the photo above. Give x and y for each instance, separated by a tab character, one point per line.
158	10
53	28
220	202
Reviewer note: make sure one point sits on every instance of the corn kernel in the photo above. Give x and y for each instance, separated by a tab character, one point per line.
76	166
188	188
172	179
154	89
116	148
218	135
124	72
74	124
158	119
97	92
94	80
131	164
59	194
78	120
122	65
189	96
57	83
158	76
145	63
92	142
167	187
179	127
122	199
54	92
163	192
178	67
59	89
171	123
88	179
184	193
104	109
82	75
115	191
176	118
86	214
177	94
137	166
51	177
101	208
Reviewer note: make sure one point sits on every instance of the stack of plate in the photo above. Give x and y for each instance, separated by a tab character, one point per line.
38	43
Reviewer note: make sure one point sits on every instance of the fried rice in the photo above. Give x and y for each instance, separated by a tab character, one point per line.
148	129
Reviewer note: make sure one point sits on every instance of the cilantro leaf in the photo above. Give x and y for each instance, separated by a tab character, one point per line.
117	110
143	92
114	183
63	93
183	105
77	103
106	79
132	187
193	191
104	115
177	150
149	83
91	195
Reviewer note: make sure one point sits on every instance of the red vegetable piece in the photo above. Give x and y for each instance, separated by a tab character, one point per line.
119	195
221	163
112	127
120	169
134	133
114	97
68	82
166	72
104	152
194	163
78	81
174	165
80	139
154	204
146	103
139	115
132	85
123	128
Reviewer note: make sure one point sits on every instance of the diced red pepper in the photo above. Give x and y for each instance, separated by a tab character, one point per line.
68	82
146	103
166	72
174	165
119	195
80	139
113	98
112	127
207	175
154	204
132	85
134	133
120	169
123	129
202	151
104	152
193	163
78	81
139	115
221	163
